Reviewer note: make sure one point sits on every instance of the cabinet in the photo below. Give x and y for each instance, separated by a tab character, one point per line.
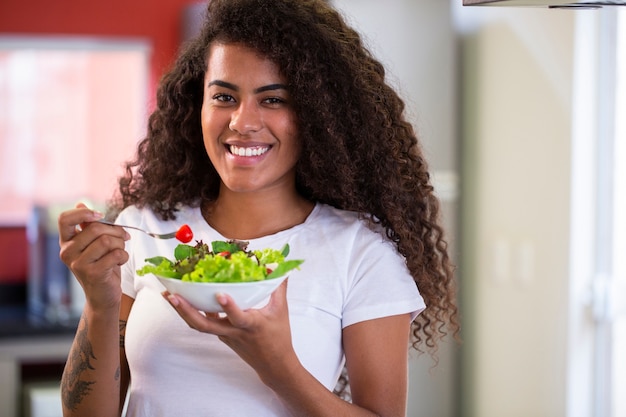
27	352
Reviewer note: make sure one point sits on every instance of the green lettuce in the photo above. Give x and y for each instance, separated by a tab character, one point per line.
224	261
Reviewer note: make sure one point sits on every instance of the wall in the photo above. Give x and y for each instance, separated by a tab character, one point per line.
158	22
516	147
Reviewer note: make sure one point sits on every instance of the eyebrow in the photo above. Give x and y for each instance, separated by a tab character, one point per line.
269	87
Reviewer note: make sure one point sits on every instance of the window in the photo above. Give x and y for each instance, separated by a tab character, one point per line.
618	307
598	269
71	111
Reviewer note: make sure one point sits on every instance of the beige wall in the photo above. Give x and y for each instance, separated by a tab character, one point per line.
516	155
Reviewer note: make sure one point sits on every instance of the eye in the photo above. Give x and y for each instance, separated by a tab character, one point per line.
225	98
274	101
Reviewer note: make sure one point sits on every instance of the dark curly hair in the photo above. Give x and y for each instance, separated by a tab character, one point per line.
359	152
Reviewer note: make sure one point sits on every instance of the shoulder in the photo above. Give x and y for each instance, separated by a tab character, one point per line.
346	234
332	216
356	224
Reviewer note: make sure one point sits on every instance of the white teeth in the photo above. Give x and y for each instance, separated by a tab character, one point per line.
248	151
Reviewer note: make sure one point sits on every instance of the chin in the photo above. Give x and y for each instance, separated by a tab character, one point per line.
241	187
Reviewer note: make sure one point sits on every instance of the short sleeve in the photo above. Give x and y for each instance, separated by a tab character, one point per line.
382	285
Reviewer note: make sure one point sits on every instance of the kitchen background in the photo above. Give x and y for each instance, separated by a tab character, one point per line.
516	108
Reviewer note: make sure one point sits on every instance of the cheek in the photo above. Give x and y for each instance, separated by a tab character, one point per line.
210	136
211	125
290	129
212	147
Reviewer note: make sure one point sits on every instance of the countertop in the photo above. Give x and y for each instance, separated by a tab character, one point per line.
16	323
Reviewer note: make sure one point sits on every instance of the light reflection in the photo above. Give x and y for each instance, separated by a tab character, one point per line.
70	116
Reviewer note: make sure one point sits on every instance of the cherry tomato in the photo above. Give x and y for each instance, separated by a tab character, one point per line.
225	254
184	234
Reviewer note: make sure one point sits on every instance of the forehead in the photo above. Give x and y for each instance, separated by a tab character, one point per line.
232	60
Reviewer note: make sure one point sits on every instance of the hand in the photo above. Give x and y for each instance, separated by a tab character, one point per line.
94	253
261	337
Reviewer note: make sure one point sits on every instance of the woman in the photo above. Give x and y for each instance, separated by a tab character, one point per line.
274	126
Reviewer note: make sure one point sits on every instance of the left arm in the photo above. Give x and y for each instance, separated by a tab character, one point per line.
377	361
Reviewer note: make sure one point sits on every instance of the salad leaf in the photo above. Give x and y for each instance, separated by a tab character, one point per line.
157	260
268	256
230	246
224	261
184	251
163	268
285	267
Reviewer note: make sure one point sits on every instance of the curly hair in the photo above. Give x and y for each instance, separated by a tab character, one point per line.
359	152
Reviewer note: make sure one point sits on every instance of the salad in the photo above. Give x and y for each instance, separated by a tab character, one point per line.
222	261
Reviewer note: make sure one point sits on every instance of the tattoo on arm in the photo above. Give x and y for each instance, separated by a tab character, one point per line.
122	334
79	361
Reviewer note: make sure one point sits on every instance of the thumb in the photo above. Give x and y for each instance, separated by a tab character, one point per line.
278	300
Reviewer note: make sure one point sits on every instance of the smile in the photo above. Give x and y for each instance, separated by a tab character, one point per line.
248	151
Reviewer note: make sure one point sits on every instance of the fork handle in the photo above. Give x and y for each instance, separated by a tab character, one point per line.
155	235
110	223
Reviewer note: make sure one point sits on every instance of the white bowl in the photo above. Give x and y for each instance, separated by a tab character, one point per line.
201	295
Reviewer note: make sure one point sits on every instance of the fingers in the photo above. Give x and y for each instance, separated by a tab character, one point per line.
240	318
261	337
234	317
204	322
93	252
70	219
278	300
88	246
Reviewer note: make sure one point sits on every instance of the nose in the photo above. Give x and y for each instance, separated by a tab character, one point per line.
246	118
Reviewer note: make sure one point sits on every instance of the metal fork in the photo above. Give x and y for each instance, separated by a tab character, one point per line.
155	235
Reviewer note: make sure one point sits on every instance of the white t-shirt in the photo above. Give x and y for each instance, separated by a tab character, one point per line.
350	274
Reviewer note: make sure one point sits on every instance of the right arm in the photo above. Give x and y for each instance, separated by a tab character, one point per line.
95	378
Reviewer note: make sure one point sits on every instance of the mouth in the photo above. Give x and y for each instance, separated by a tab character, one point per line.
247	151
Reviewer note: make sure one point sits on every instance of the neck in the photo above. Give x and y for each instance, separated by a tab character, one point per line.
253	215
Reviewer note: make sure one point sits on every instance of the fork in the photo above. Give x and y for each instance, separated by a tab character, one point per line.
155	235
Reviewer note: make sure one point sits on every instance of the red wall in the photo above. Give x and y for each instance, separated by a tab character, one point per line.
158	21
13	254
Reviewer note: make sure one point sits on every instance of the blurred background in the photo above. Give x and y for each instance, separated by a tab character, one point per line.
516	107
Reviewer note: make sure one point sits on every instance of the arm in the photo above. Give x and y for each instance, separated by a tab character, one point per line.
96	370
95	376
377	362
376	357
127	304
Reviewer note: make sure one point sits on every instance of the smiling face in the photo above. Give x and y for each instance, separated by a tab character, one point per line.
248	123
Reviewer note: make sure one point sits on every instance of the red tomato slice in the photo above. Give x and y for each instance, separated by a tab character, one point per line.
184	234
